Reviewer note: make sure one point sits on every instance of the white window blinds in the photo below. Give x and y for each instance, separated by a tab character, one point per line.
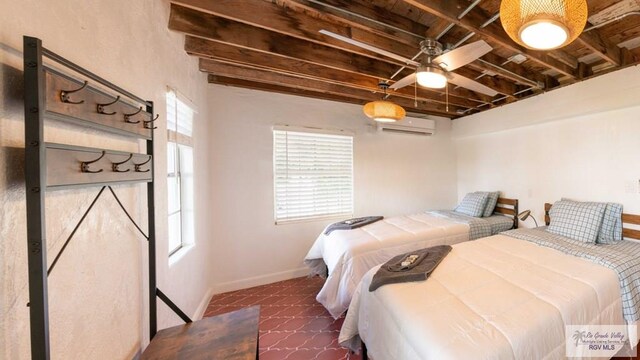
313	175
179	115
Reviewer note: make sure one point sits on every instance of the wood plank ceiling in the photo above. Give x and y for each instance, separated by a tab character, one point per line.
275	45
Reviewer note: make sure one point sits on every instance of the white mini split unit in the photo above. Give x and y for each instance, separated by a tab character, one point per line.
410	125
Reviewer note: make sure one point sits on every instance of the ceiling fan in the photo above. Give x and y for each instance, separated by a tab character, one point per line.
436	68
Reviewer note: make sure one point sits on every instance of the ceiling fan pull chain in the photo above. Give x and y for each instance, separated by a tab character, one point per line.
447	93
415	95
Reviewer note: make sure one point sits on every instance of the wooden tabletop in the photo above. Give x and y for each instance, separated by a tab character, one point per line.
230	336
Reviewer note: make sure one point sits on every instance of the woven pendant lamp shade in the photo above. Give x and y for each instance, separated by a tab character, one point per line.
543	24
384	111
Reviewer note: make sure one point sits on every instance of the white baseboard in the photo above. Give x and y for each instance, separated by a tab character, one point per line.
202	307
259	280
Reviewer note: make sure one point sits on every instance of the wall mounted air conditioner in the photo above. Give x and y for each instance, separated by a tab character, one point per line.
410	125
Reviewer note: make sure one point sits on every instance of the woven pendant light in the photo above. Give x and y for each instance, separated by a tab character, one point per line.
382	110
543	24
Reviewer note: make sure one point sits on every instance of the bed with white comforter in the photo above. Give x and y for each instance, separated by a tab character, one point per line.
497	297
346	255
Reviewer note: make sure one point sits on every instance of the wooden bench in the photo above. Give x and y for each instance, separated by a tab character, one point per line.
230	336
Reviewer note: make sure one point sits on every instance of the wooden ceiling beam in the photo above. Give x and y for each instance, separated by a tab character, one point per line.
219	8
438	27
484	66
219	29
312	61
509	70
595	42
275	45
473	21
272	17
630	57
212	66
210	27
514	72
253	85
230	54
363	15
265	76
499	85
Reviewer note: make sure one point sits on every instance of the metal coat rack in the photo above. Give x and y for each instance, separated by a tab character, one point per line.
49	93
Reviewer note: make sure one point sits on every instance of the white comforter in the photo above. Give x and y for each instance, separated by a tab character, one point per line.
350	254
493	298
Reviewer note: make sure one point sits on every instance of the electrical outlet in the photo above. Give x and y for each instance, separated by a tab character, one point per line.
630	187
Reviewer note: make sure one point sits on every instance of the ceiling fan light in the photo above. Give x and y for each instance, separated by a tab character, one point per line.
431	77
384	111
543	24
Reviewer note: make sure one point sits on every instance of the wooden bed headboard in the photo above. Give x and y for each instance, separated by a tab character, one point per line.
508	207
627	219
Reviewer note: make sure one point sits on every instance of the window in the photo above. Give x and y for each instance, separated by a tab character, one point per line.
179	172
313	175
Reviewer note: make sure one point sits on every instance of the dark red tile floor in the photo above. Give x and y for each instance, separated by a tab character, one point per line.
293	325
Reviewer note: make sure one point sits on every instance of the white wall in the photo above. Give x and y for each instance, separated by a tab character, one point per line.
97	297
394	174
581	142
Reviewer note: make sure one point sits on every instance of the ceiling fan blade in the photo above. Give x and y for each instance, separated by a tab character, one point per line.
471	84
370	48
463	55
405	81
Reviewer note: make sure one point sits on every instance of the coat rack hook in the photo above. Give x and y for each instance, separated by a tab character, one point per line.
115	166
127	117
84	165
100	107
138	166
64	94
147	124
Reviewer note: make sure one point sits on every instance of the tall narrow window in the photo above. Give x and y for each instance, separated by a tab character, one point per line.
179	172
313	175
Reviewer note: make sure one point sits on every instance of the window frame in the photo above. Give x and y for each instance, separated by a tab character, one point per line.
177	174
179	140
319	131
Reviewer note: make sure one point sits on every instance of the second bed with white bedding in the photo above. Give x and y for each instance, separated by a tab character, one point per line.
506	297
349	254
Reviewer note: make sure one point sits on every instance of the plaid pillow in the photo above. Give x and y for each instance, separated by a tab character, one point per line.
611	229
473	204
577	220
492	200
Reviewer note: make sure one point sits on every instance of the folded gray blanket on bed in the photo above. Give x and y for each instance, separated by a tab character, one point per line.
393	272
352	223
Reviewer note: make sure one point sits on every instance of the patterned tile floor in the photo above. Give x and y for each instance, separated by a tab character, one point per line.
293	325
